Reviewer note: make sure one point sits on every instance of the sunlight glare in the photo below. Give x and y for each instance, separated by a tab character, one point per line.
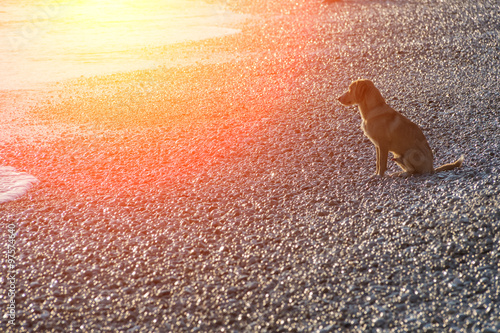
114	25
71	38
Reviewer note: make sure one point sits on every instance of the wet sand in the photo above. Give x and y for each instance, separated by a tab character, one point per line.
235	194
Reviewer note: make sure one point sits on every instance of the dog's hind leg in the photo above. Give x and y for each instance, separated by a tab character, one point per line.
398	159
405	163
416	161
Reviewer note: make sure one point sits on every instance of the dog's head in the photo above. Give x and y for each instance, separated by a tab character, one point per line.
357	92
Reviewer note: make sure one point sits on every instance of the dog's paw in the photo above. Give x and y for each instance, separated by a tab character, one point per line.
375	176
402	174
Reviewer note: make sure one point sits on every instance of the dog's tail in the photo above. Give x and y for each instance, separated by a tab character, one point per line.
449	166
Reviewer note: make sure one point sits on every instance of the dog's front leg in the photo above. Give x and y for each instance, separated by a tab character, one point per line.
378	161
382	155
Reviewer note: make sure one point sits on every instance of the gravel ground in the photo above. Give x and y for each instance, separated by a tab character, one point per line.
236	195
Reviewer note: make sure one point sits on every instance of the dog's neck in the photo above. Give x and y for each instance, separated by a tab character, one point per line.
367	106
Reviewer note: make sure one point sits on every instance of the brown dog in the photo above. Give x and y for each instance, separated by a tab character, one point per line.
392	132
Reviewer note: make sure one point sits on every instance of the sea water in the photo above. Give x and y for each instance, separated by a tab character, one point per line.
43	41
53	40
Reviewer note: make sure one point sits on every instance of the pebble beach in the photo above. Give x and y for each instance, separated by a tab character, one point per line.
231	192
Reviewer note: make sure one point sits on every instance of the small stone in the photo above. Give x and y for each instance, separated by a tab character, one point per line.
45	315
428	328
414	298
327	329
489	330
379	322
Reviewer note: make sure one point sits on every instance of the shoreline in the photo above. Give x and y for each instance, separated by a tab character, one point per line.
237	196
189	54
22	121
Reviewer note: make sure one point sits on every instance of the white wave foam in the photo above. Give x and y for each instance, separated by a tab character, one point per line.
13	183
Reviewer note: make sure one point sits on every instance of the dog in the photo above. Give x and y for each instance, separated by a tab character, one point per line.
390	131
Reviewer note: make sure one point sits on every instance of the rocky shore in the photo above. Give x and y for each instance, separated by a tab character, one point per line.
235	195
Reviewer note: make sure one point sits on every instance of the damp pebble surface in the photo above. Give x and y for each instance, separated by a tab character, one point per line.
237	196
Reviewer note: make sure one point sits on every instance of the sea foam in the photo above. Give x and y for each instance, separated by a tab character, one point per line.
14	184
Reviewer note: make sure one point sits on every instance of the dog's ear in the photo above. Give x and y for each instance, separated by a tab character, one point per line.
361	89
